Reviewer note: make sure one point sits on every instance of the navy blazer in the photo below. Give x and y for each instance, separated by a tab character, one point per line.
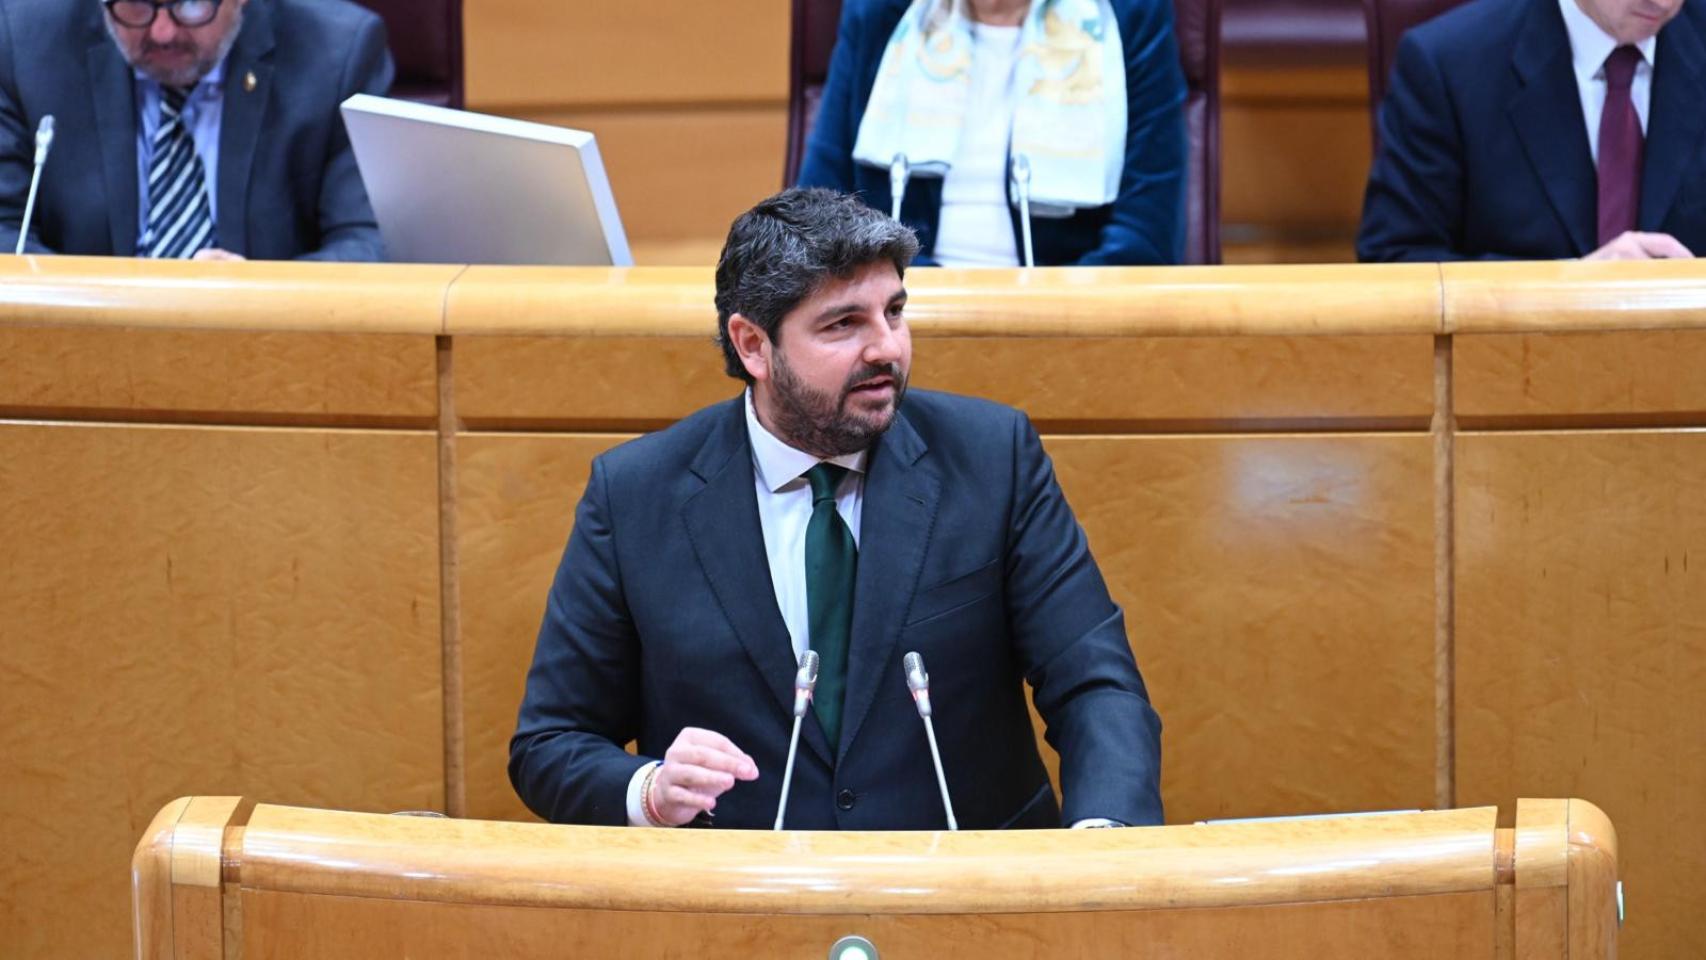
663	615
1144	225
1484	149
287	182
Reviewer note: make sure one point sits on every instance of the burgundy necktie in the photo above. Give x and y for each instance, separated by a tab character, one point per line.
1619	147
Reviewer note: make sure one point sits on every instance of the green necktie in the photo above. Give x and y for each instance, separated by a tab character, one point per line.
831	560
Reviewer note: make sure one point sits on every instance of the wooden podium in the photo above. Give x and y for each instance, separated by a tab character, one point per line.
217	877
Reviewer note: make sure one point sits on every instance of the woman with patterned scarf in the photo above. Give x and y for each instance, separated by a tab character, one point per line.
999	128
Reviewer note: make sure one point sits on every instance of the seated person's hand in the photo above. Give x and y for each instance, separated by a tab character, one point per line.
1634	245
214	253
700	766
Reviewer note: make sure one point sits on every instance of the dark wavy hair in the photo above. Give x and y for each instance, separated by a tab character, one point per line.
784	249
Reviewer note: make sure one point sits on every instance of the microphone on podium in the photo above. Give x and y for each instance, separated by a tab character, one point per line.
804	680
44	142
919	683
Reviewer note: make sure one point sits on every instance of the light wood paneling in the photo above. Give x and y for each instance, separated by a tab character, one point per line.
592	382
684	173
1257	380
1458	925
1298	164
202	610
522	52
297	850
515	505
1566	295
1562	378
250	295
1386	299
217	374
1278	593
1581	647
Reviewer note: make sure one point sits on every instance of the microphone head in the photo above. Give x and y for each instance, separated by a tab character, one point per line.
916	678
44	137
806	678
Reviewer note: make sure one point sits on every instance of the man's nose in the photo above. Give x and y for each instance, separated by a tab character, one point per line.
164	29
883	345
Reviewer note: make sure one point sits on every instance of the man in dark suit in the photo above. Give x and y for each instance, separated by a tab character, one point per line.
195	128
818	510
1544	129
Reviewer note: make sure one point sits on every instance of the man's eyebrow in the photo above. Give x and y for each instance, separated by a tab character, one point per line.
838	310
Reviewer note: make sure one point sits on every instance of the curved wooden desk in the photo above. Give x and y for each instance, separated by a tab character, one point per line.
1387	536
278	882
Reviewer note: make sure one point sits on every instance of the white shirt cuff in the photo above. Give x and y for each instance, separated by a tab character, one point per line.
1095	822
637	803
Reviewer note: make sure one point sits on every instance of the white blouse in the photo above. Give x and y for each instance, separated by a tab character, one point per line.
976	229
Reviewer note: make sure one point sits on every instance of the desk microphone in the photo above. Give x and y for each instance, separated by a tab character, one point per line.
899	173
804	680
919	683
1021	184
44	142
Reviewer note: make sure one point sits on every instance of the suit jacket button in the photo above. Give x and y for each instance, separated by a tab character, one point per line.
845	799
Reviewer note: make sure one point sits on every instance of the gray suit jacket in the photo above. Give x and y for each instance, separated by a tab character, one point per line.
663	615
287	182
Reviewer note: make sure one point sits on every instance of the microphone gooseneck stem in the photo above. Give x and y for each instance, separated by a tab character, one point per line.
29	211
1022	190
941	778
899	173
788	771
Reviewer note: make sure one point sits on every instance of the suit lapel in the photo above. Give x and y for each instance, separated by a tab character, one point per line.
113	91
728	539
1676	118
1547	114
895	523
242	113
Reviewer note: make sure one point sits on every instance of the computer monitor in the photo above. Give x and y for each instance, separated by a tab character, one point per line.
450	186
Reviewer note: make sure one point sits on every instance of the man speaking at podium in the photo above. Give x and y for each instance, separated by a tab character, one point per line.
830	508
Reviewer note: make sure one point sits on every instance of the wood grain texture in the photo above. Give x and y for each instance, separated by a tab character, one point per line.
1568	295
151	884
682	173
515	507
1592	881
249	295
1225	383
1061	301
219	375
283	926
213	609
1581	646
520	52
1278	596
1627	377
608	383
299	850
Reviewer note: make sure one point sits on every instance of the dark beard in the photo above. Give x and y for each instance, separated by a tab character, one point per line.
818	423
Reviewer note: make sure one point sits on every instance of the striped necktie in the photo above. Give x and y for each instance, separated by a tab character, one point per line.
180	220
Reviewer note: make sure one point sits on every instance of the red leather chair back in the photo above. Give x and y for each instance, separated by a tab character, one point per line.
426	43
1387	21
1197	25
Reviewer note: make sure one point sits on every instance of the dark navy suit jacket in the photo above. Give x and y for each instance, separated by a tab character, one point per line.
287	183
1484	149
1146	222
663	615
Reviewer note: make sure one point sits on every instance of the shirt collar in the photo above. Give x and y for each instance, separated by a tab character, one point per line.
1590	45
779	464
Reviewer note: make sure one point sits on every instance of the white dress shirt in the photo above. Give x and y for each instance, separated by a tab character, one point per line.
975	227
1589	46
784	510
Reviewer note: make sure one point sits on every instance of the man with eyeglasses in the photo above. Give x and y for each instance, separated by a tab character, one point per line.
205	129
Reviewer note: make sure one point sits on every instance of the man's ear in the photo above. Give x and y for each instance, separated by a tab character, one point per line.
752	346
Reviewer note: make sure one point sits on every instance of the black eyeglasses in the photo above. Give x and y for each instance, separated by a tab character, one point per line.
141	13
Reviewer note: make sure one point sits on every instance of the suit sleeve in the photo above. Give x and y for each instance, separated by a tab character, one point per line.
829	151
348	229
1072	643
17	150
1147	223
583	692
1413	209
